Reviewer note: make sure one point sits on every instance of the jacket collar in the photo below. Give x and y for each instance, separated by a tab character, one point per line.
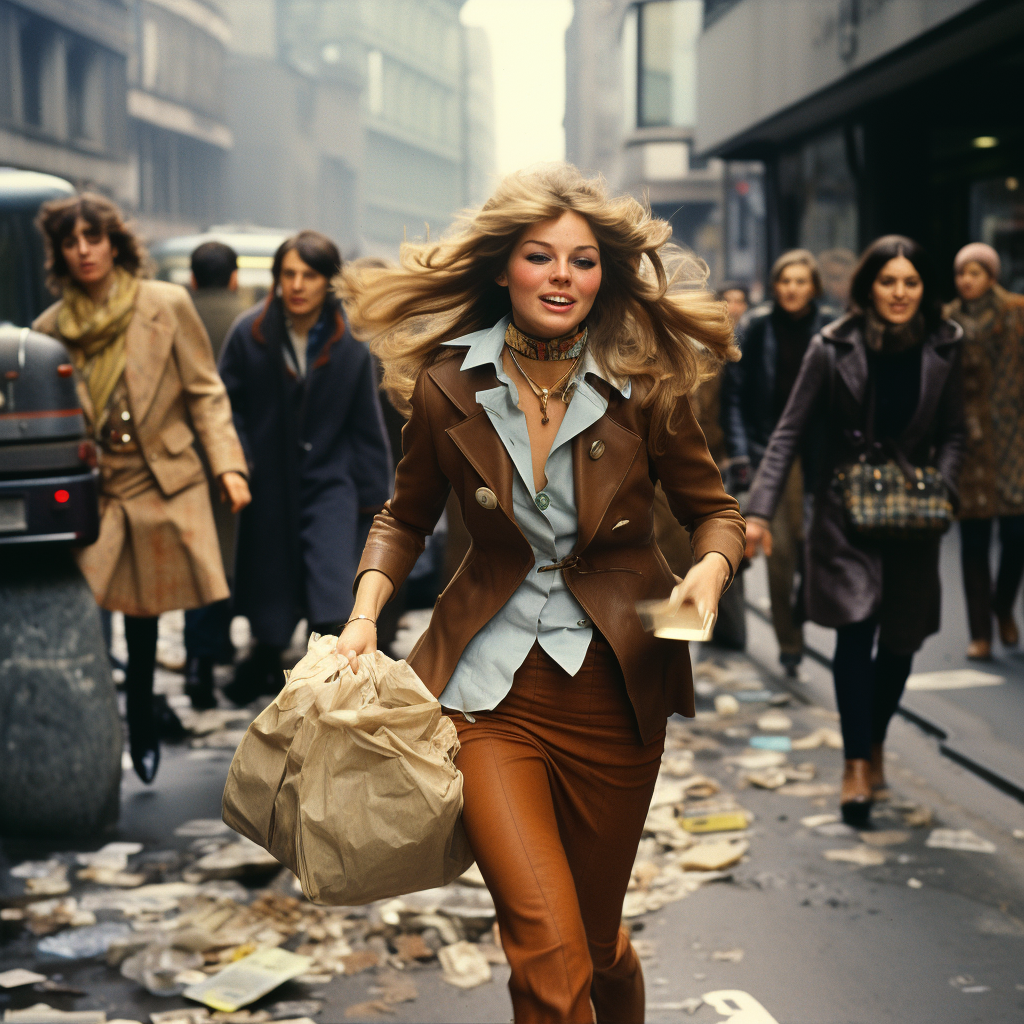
938	347
485	349
147	345
596	479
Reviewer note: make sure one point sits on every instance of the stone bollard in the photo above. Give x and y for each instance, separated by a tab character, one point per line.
60	732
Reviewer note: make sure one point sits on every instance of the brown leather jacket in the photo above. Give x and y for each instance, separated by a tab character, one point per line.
449	442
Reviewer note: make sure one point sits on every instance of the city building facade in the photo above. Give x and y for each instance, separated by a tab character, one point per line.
631	114
873	116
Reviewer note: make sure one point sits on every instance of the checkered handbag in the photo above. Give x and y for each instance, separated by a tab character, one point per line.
882	501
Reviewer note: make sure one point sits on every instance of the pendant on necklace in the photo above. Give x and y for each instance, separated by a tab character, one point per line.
543	396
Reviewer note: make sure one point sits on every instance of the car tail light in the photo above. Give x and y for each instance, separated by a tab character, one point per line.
62	497
87	454
65	370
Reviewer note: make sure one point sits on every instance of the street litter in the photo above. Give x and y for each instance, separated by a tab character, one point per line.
726	821
822	737
774	721
915	883
754	696
862	856
807	789
890	837
464	965
163	971
79	943
780	743
758	760
726	704
248	979
767	778
918	817
43	1013
236	860
713	856
43	877
959	839
814	820
1018	833
18	977
730	956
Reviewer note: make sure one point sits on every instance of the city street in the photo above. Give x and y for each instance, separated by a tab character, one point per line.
914	933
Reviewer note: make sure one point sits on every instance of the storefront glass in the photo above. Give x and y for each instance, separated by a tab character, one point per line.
818	208
997	217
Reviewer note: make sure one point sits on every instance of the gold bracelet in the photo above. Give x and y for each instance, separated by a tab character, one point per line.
373	622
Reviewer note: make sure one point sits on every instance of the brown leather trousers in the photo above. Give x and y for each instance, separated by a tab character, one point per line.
557	785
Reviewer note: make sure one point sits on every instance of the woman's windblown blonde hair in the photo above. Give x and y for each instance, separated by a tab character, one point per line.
653	320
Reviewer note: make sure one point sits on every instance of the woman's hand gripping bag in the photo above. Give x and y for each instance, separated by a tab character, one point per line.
379	796
260	799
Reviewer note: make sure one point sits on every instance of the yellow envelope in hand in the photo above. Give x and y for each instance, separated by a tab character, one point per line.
684	624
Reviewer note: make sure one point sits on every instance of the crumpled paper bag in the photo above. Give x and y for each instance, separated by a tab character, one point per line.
349	780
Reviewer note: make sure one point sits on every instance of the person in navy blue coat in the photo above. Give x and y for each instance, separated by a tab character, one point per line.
304	398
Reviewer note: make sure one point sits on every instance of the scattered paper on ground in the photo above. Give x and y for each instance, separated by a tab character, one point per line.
464	965
959	839
18	977
244	981
862	856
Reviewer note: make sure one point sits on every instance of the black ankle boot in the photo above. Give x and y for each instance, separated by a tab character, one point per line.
143	741
199	683
257	675
168	724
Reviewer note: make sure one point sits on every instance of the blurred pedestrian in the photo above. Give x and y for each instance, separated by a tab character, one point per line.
884	381
208	630
543	362
736	297
731	625
837	267
773	338
305	403
149	388
992	480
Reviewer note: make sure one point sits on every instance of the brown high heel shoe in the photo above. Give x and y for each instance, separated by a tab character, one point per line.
855	797
979	650
879	789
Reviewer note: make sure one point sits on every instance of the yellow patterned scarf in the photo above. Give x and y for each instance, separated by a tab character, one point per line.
95	335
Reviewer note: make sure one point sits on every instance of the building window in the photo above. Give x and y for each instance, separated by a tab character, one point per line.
35	42
997	217
667	34
85	92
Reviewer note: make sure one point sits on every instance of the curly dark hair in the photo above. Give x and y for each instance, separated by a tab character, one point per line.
876	255
56	220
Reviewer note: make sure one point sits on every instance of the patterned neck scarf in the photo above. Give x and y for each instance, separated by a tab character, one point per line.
882	336
95	334
569	346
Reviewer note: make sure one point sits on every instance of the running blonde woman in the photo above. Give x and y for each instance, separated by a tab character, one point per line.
544	355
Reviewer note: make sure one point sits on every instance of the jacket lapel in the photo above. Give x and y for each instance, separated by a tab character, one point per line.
598	480
934	371
147	345
852	367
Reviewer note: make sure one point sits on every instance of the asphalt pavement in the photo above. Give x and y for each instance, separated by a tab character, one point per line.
915	934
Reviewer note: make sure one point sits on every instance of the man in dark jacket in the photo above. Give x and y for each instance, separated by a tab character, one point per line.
773	338
304	397
207	630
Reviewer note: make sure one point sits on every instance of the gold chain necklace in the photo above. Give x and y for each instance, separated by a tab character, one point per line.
543	394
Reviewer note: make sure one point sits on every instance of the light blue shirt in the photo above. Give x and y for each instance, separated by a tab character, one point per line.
543	608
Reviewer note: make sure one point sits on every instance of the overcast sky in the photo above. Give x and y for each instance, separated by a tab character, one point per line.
528	53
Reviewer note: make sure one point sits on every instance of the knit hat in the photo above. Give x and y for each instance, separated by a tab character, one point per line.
978	252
